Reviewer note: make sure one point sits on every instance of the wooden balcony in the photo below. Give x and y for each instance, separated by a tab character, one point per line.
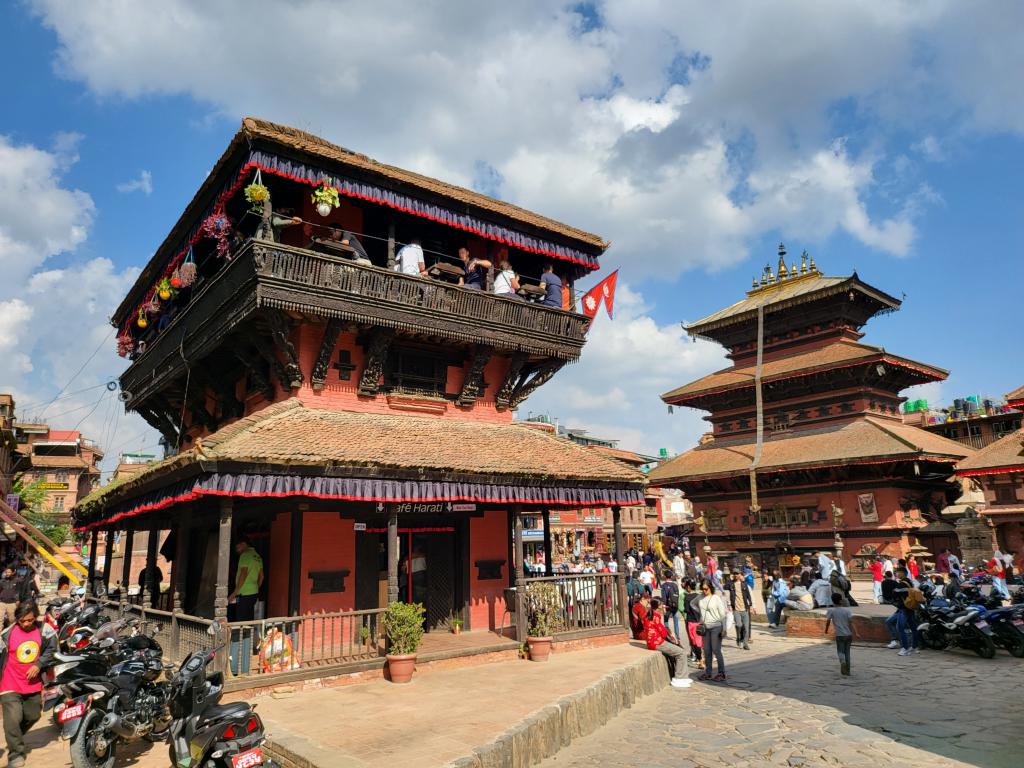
270	276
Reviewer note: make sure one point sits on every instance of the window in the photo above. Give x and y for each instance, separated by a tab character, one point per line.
417	371
781	516
1005	494
58	504
60	476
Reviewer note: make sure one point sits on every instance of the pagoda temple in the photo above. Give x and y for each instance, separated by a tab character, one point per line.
320	345
837	470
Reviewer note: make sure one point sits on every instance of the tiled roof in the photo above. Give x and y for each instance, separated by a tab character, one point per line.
787	293
288	434
1016	396
861	440
629	457
1002	454
65	462
831	355
314	145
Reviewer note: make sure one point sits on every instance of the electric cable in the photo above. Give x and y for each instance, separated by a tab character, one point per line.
82	368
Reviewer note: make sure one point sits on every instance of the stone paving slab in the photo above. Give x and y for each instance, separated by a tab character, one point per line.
787	705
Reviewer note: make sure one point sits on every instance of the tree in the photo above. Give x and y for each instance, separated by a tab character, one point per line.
33	502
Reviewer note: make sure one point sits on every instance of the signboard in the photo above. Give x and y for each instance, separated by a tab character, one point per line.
360	526
591	518
424	507
13	501
54	486
554	517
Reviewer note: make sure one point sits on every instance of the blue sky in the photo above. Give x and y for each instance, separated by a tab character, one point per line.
870	134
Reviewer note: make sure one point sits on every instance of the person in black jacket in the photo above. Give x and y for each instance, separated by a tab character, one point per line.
691	612
740	602
27	647
9	588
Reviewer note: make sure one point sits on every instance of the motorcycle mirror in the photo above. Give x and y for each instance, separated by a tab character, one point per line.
107	642
214	628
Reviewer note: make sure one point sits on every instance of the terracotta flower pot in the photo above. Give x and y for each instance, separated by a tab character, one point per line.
456	629
401	667
540	648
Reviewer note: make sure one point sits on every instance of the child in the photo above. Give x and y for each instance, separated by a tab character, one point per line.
840	617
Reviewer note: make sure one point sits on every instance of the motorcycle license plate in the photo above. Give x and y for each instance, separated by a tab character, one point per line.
248	759
73	712
981	624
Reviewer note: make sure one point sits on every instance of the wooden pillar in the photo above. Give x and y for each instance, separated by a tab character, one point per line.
220	595
620	560
548	558
179	580
126	563
93	544
517	528
152	586
391	243
393	558
295	561
108	558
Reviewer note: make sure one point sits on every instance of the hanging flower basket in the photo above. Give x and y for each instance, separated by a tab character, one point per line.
326	199
163	289
218	226
153	305
176	279
187	270
142	320
257	193
125	343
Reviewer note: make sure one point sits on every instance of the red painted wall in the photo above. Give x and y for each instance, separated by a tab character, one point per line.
280	543
488	540
328	544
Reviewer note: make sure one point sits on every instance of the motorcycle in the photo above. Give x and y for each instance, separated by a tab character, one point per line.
205	733
946	626
121	705
1007	622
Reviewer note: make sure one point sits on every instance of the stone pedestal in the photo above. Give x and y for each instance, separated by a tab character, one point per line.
977	537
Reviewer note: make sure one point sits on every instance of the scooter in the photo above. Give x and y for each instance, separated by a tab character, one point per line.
946	626
205	733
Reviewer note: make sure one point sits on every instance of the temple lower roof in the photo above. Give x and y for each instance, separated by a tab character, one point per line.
1004	455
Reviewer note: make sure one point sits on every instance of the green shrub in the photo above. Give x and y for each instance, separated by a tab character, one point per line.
403	627
543	609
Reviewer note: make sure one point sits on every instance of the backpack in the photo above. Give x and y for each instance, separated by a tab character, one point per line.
914	598
670	594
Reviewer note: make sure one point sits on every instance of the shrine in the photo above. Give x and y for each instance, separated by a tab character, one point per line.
836	469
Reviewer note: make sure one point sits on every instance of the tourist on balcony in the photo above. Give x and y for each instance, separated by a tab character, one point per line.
279	220
476	271
552	286
410	259
359	254
506	282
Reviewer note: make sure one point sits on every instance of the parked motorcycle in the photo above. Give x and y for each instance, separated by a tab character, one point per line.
945	626
205	733
123	704
1007	622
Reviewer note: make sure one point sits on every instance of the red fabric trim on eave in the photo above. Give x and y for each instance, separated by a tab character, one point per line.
994	471
172	500
798	467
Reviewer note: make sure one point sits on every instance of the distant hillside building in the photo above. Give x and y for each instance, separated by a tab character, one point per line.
65	462
839	469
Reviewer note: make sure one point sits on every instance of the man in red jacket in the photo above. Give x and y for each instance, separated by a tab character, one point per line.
660	639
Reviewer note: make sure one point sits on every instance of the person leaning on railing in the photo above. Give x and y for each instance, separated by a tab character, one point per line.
476	270
506	282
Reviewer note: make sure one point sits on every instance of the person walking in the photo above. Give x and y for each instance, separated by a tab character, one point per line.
670	599
659	638
766	591
9	588
740	602
840	617
780	593
691	613
712	617
27	648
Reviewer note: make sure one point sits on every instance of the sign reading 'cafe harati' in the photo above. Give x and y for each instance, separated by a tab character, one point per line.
339	382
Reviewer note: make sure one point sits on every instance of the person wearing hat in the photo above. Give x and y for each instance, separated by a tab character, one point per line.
248	580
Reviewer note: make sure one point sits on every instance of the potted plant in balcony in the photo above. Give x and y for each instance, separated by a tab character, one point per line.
403	627
326	199
542	613
257	193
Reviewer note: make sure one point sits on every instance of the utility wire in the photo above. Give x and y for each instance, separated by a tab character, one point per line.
75	376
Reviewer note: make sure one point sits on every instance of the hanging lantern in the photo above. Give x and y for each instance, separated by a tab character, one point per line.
142	321
187	270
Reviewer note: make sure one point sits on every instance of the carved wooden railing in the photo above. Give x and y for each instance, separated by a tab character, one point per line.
588	601
409	302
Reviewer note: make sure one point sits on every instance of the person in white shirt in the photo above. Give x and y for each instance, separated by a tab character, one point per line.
506	282
679	565
647	579
712	616
825	566
410	259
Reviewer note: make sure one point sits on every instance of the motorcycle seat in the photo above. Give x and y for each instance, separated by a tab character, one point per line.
234	709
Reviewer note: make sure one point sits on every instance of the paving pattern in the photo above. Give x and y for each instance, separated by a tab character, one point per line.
787	705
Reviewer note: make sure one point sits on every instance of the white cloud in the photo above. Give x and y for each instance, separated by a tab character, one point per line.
614	390
51	320
143	183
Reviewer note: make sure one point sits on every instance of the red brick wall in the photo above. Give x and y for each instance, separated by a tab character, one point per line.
328	544
488	537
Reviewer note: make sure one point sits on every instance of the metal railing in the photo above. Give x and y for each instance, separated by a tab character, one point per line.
272	646
587	601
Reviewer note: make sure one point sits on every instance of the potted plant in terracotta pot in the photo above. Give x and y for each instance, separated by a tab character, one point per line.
543	608
456	625
403	627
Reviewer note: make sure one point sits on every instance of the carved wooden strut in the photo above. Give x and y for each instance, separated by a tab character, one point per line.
473	385
376	357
